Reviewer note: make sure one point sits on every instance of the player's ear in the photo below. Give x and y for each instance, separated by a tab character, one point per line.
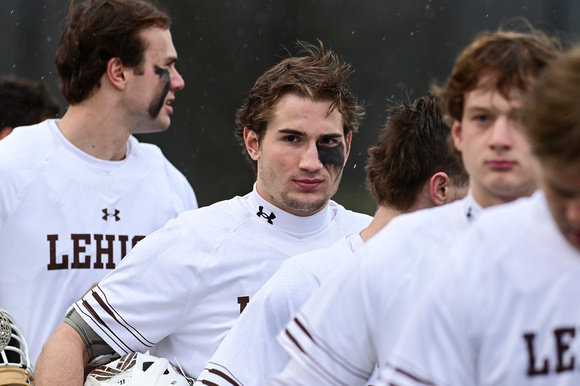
348	141
252	143
456	135
116	73
439	188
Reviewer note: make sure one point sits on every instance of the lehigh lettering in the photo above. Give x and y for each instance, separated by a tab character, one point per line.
108	250
103	251
243	302
564	360
533	370
563	338
79	248
52	247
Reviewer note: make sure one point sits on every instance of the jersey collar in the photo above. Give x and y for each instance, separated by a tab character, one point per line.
471	207
297	226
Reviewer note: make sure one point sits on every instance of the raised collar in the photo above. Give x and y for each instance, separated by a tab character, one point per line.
296	226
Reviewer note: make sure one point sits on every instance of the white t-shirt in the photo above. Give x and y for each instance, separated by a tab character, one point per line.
67	219
250	352
335	337
504	312
180	290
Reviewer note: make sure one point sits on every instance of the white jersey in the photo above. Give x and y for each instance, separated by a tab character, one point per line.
336	337
180	291
250	351
67	219
505	312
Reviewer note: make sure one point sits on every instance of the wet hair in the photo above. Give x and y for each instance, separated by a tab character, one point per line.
96	31
24	102
550	113
318	75
412	147
508	59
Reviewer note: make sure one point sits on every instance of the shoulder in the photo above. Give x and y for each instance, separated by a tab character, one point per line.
310	262
27	142
163	171
426	225
505	236
147	149
502	216
24	149
349	219
193	233
510	223
450	216
152	154
216	219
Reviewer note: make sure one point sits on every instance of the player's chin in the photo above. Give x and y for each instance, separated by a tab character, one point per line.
311	203
512	183
154	128
163	122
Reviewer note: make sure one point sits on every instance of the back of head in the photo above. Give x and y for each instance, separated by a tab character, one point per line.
413	145
23	102
508	60
551	113
319	75
96	31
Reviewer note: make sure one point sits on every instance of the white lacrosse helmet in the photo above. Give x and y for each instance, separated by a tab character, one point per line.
138	370
15	366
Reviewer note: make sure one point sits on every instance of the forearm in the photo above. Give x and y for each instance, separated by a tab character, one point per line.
63	359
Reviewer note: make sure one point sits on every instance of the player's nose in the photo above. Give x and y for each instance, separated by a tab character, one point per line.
309	159
501	133
177	81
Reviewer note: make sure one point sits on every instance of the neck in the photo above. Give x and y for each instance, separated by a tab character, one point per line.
487	199
95	133
382	217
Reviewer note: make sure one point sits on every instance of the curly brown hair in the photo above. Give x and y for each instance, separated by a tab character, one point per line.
96	31
319	75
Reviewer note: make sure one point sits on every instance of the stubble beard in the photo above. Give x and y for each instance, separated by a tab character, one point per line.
291	200
297	205
305	205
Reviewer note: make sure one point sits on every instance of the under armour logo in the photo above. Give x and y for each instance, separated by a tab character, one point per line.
107	215
469	214
270	217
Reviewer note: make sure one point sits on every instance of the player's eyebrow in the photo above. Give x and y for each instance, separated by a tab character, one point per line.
302	133
171	60
292	131
478	109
